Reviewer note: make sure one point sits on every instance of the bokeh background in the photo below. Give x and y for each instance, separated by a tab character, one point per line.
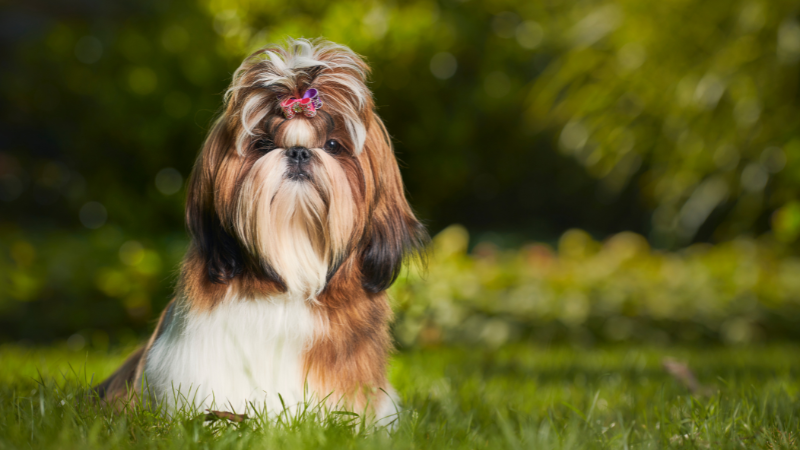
593	171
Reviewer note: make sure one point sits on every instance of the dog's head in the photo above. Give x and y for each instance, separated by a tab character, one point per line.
289	192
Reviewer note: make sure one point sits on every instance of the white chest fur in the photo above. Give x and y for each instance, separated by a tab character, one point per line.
242	353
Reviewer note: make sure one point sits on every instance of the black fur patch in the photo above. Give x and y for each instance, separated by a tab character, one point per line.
392	242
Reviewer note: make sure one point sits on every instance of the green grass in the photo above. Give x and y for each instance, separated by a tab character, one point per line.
515	397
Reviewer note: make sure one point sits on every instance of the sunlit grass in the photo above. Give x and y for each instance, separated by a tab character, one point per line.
516	397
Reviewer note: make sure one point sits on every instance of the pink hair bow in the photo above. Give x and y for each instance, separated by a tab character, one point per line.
308	105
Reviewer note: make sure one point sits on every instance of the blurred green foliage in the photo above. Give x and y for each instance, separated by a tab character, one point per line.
694	102
520	120
586	291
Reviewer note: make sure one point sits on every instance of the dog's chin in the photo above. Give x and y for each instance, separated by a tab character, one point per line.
296	220
296	238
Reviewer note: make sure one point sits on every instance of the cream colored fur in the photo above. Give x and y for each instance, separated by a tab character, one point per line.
236	357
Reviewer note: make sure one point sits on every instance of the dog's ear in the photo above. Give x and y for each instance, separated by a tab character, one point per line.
393	234
220	251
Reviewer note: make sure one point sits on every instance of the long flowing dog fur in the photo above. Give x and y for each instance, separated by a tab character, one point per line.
282	290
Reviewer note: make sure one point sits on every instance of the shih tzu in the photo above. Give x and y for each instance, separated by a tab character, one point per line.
299	224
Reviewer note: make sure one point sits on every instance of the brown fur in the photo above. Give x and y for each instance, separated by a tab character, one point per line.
350	360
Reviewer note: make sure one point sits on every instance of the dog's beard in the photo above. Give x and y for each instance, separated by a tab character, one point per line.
299	228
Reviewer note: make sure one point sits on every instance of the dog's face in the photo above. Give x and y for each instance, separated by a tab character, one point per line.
294	200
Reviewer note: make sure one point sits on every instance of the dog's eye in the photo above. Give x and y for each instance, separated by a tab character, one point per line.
333	146
264	145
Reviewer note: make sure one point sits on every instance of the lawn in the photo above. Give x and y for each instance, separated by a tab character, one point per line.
519	396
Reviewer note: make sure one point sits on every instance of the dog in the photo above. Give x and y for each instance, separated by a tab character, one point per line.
298	223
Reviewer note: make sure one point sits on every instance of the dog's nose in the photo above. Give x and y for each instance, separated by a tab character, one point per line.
298	155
